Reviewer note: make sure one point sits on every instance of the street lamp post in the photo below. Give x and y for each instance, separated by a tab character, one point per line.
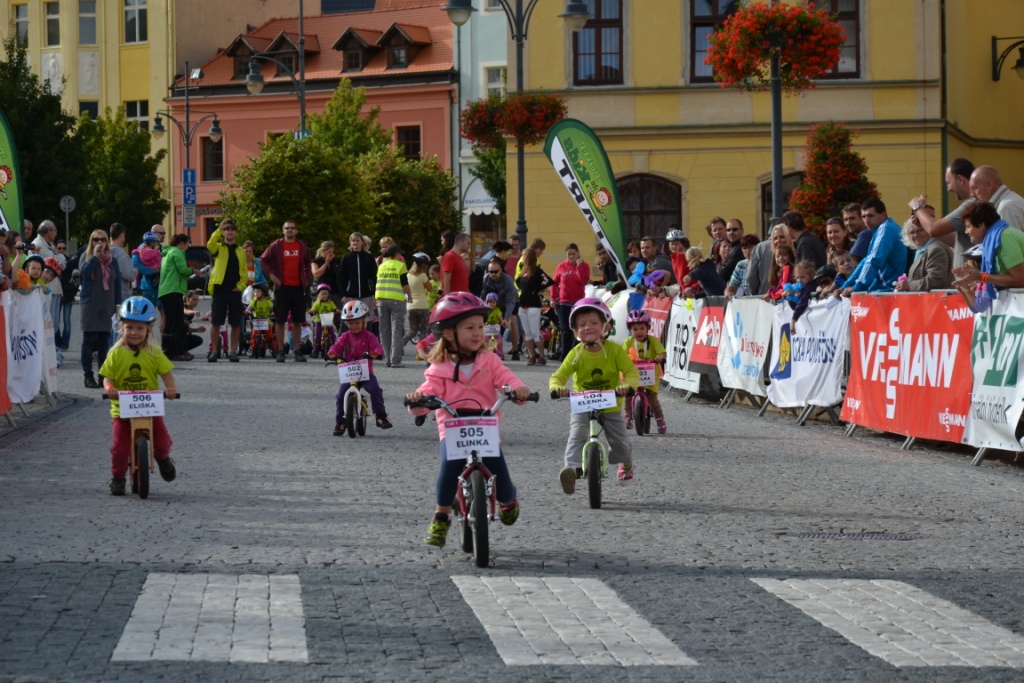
254	79
187	131
518	14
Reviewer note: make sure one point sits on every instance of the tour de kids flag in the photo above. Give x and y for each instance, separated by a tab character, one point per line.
682	330
708	337
10	181
808	356
998	393
910	364
580	161
25	350
745	338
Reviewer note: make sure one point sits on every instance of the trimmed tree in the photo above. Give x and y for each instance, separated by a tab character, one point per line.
835	175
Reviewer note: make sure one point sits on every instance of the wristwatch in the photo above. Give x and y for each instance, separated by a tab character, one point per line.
916	207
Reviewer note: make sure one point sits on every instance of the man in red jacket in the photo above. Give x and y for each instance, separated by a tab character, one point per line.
287	263
571	278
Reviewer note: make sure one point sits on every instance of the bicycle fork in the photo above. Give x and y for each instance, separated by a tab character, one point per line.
595	433
465	493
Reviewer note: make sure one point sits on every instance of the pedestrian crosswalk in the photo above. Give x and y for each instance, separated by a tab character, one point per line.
534	621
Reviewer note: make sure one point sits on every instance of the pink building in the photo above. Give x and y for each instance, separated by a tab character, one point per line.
401	53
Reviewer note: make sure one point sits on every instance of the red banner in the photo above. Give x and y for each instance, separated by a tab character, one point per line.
658	308
910	364
704	356
5	399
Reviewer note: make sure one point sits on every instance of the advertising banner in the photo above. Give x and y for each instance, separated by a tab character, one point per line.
708	337
658	308
49	347
25	351
580	161
910	367
744	347
998	394
807	358
10	180
5	399
682	329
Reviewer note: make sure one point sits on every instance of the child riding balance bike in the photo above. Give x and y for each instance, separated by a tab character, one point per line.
355	344
643	348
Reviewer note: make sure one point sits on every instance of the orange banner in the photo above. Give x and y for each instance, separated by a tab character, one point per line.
910	364
658	308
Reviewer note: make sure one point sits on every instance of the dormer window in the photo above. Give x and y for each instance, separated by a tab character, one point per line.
397	57
353	60
241	61
289	61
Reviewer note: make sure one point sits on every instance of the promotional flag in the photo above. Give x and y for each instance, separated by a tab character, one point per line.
580	161
25	352
658	308
682	329
807	357
744	347
11	215
708	337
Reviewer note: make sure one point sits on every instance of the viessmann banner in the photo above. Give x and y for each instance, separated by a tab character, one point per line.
580	161
910	367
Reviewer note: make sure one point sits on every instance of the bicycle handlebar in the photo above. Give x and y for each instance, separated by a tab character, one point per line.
107	398
556	397
338	361
436	402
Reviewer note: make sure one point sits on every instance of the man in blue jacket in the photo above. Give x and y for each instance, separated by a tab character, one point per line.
887	255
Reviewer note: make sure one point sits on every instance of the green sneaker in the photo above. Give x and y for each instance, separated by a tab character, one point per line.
437	532
509	513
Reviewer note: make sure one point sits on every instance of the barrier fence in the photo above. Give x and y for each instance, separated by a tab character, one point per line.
921	365
30	364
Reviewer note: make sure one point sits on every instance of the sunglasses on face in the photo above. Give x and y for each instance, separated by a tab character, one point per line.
99	239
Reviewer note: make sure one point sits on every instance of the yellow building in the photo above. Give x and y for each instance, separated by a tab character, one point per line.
126	53
915	80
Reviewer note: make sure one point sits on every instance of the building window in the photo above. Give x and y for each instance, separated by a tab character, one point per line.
597	48
353	60
650	205
52	24
409	141
213	159
86	22
495	80
21	24
705	17
241	65
90	108
135	22
492	5
397	57
847	13
790	181
290	65
138	112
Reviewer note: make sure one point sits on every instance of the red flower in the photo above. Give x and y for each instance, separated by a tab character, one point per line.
527	118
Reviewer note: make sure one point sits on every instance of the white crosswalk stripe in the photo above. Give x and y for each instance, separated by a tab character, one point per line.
901	624
216	617
564	621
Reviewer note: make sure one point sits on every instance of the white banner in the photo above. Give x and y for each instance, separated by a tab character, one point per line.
49	347
682	327
997	397
744	347
807	363
26	347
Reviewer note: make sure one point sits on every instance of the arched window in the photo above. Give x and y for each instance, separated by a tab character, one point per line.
790	181
650	205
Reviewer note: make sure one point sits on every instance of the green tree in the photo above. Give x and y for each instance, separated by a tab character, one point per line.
491	172
344	127
50	157
122	182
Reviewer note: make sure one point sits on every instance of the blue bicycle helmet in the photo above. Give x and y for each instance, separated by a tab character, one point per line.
151	237
138	309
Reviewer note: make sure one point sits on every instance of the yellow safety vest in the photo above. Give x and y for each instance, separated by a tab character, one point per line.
389	280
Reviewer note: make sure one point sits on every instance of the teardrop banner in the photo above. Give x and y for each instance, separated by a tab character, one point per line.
11	216
580	161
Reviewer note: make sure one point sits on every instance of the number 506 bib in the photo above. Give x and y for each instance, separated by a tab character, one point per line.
463	435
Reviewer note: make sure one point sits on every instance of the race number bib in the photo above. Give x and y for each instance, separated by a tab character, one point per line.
327	320
261	324
356	371
492	330
141	403
648	377
585	401
464	435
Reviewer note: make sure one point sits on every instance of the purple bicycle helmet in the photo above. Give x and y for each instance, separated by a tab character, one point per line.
636	317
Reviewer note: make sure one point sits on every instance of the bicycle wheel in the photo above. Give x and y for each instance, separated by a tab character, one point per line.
351	413
647	416
638	414
364	416
465	530
478	518
592	456
140	477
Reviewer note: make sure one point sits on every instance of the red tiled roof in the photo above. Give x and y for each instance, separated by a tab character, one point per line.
287	41
417	35
363	36
422	21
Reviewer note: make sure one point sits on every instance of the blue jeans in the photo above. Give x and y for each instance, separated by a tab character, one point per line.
568	338
64	336
448	478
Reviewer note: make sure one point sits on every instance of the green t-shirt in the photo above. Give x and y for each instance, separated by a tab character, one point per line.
1011	250
261	308
324	307
649	350
495	317
134	370
596	371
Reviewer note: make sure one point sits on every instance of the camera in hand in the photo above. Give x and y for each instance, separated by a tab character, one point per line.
21	246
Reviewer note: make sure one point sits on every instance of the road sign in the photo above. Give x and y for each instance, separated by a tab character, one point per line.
188	176
189	192
188	215
67	203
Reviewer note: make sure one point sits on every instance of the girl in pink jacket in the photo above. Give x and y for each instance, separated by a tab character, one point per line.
469	377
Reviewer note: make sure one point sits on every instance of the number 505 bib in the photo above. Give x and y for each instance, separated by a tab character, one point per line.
463	435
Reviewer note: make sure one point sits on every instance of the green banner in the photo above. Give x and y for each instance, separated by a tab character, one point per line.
580	161
11	216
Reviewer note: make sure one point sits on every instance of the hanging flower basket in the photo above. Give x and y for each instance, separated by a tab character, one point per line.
527	117
809	41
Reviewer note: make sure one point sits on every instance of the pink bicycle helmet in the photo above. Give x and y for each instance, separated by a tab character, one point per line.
323	286
636	317
454	307
592	304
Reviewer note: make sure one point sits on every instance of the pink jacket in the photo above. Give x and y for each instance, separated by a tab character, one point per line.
352	346
478	392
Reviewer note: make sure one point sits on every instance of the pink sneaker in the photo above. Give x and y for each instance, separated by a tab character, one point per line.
625	476
662	427
629	422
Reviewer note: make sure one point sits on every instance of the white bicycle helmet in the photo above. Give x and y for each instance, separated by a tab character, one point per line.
354	310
